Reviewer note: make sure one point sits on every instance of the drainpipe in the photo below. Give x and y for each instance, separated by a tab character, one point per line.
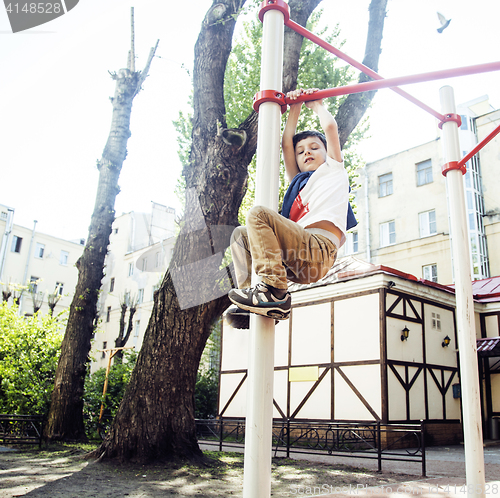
25	278
5	239
367	218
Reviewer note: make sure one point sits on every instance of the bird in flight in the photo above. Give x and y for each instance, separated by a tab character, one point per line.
444	22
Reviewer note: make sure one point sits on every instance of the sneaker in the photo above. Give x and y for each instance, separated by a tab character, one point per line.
261	300
239	319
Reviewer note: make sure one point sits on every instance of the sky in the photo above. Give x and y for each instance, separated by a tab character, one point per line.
55	112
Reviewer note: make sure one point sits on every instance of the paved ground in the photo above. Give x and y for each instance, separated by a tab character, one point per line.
445	476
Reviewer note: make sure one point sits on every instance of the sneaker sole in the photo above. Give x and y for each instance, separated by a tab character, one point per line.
275	313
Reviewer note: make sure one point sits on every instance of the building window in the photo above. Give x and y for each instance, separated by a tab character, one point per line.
385	185
351	244
39	250
157	259
424	173
144	265
3	215
33	286
130	269
63	258
59	288
104	346
108	314
387	233
16	244
140	296
436	321
430	272
427	223
112	285
137	328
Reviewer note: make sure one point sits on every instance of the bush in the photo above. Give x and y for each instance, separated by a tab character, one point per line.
29	352
118	379
206	394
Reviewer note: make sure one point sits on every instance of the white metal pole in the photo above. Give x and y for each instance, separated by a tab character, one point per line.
259	418
469	374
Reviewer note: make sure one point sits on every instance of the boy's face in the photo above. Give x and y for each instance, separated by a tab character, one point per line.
310	154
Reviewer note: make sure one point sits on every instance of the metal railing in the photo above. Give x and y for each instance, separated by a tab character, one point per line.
376	441
27	429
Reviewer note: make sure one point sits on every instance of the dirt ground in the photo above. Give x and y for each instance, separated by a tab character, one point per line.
63	471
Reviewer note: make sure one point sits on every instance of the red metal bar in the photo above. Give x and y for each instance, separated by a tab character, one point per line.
452	165
479	146
401	80
358	65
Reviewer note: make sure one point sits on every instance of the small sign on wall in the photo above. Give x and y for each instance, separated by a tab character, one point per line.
303	374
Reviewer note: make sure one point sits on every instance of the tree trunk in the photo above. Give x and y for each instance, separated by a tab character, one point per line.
123	336
65	420
155	420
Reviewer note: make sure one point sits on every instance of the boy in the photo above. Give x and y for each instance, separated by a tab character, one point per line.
301	244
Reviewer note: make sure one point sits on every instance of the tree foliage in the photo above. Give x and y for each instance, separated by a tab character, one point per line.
317	69
29	351
118	379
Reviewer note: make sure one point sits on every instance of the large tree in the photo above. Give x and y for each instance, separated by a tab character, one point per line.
65	419
156	417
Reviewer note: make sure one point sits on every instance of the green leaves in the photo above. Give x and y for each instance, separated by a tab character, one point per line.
29	351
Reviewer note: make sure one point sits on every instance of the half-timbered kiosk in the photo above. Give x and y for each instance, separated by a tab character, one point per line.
366	344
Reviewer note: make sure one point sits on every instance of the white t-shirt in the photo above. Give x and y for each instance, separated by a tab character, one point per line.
325	197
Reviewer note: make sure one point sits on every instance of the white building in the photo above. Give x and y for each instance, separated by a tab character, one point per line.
30	257
402	206
370	344
139	251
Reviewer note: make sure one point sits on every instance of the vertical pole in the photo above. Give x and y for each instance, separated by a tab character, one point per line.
259	419
469	377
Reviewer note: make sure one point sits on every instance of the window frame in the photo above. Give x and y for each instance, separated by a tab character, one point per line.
433	274
16	245
425	170
427	225
63	261
388	185
389	233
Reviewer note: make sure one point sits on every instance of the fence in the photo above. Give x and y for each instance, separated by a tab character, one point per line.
397	442
21	429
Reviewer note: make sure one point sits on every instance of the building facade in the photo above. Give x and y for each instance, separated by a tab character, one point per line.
139	252
42	265
402	205
394	362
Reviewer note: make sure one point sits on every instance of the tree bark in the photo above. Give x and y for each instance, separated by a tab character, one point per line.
155	420
123	335
65	419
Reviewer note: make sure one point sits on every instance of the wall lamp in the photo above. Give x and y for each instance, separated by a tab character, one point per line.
405	333
446	342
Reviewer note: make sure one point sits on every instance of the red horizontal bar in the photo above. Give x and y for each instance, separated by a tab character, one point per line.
479	146
401	80
358	65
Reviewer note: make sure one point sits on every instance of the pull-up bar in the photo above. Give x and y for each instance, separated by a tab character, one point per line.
400	80
358	65
478	147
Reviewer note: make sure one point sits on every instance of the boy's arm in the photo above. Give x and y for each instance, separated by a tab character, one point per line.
330	129
291	167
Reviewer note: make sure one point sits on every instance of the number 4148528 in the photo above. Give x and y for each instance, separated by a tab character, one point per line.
34	8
